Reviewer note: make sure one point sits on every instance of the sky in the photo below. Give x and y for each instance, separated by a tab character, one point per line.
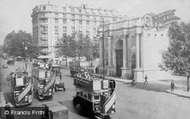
16	14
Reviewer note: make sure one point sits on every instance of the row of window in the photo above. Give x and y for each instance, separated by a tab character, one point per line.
80	22
73	16
44	36
87	11
72	9
88	95
155	35
44	42
45	29
72	21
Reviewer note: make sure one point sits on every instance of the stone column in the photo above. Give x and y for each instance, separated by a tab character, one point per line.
109	51
137	51
138	75
124	56
142	53
128	68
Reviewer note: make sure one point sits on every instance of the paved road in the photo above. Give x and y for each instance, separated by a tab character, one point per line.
132	103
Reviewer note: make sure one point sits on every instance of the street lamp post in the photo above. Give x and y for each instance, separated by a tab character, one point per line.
102	29
103	52
25	51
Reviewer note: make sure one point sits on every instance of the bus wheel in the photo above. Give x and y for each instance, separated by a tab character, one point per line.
40	97
51	97
56	88
16	106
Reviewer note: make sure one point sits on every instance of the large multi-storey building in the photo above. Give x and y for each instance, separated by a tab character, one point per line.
52	22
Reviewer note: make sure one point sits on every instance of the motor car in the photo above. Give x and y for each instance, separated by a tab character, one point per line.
19	58
11	62
5	66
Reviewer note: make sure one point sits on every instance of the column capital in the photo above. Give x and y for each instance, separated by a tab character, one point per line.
138	30
125	32
109	37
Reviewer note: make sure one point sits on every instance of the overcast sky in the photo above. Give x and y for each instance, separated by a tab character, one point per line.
16	14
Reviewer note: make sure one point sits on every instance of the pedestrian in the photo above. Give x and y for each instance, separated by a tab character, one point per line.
172	86
146	79
97	70
188	75
133	83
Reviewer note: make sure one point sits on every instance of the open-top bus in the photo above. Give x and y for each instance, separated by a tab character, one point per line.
21	87
43	83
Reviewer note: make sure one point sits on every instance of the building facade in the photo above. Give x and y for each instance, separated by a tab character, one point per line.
51	22
133	48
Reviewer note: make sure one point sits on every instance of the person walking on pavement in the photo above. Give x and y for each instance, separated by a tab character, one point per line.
133	83
172	86
146	79
188	75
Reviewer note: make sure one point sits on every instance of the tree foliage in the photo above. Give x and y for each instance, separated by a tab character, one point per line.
15	44
1	50
77	46
66	47
177	58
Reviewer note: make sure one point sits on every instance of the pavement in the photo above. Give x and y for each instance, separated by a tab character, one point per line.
180	92
179	89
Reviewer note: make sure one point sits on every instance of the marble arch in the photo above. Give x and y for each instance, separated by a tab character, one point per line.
138	43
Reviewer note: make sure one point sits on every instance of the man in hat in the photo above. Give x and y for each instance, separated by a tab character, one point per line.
172	86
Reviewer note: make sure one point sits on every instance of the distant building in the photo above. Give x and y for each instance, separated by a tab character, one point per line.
51	22
133	47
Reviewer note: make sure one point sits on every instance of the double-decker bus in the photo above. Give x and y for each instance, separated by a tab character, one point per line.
74	67
43	83
21	87
59	85
95	95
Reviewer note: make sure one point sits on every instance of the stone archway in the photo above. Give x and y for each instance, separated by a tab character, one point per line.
119	56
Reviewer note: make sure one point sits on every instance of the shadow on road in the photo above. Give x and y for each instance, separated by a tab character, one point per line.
8	96
71	108
77	110
150	87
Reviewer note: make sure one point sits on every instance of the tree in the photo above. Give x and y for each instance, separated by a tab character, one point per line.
15	44
66	47
177	58
84	47
1	50
77	45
